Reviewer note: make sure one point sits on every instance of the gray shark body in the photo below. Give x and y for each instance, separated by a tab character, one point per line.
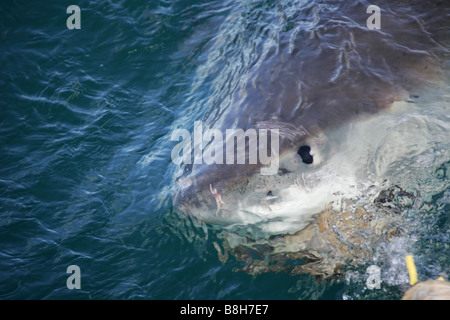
320	73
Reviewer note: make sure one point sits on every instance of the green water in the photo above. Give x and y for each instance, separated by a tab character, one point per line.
85	170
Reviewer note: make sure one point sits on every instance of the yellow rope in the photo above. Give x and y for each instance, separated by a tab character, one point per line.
411	269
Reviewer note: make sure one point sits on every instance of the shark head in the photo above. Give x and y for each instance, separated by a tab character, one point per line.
243	193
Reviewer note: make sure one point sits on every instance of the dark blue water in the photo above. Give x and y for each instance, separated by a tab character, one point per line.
85	168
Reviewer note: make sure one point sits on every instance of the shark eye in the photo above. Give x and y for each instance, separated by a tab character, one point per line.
304	153
269	193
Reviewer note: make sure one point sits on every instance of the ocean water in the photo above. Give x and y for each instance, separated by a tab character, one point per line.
85	169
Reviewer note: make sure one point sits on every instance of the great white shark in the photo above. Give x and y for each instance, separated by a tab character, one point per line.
327	83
